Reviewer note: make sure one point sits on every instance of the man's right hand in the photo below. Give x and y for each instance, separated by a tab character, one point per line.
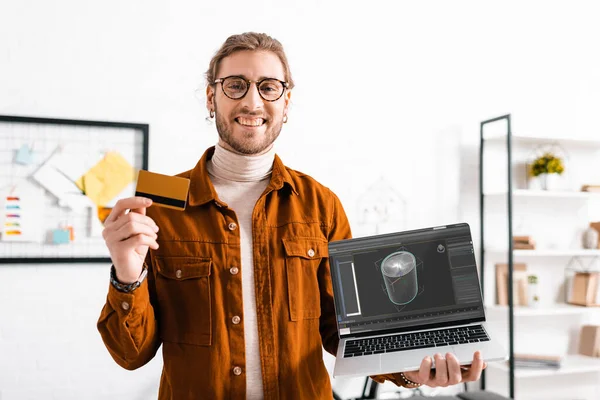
128	234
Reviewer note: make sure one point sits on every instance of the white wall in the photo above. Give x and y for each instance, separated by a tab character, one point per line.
385	91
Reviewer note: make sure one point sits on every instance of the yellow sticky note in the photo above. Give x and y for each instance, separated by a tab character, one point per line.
106	179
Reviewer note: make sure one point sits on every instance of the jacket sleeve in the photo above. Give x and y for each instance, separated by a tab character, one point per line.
339	230
128	325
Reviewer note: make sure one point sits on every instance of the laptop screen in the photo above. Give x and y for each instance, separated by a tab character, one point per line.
398	281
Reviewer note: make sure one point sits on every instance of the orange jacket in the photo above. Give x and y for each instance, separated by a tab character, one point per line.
194	290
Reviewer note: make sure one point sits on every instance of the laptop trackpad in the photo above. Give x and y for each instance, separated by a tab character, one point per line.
410	360
465	352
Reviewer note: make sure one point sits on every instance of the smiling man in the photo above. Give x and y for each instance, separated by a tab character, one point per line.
237	287
249	126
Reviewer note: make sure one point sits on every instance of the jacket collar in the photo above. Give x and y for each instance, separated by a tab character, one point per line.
202	190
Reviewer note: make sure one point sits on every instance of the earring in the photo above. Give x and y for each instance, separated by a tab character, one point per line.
285	119
209	119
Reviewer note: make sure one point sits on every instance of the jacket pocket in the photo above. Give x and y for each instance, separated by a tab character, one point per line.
303	256
184	299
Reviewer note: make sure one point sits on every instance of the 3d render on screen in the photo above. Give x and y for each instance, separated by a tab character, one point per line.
399	271
392	278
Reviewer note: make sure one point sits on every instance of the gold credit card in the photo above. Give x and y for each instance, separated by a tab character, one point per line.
164	190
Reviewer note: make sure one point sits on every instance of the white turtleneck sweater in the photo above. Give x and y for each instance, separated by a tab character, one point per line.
239	181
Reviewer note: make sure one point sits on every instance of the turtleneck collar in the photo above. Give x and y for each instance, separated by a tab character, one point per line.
231	166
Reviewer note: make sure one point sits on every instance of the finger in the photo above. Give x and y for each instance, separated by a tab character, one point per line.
135	217
441	370
454	373
425	370
134	228
122	206
142	249
130	229
136	241
474	373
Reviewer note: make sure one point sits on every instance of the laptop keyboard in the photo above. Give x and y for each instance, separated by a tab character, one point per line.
417	340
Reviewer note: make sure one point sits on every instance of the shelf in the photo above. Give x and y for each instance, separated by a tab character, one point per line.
558	194
549	310
556	314
528	139
549	253
571	364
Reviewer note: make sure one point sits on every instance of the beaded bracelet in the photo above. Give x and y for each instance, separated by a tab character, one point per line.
127	288
408	382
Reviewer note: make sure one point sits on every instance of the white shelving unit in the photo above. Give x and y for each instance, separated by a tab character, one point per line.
550	210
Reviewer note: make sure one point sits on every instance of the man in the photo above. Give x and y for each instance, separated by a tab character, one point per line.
237	287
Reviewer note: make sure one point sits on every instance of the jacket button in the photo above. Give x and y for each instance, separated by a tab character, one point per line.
237	371
234	270
125	305
178	273
311	252
235	320
232	226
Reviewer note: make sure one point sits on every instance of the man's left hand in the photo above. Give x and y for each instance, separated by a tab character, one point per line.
447	371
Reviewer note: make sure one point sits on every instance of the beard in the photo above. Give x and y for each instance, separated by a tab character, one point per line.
248	143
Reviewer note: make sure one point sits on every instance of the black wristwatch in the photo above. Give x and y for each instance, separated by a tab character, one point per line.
127	288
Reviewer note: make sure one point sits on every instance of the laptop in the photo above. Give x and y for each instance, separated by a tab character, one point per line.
403	296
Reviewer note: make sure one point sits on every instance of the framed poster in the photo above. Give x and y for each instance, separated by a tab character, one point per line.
59	179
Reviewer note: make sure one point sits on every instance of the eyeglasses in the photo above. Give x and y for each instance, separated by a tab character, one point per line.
236	87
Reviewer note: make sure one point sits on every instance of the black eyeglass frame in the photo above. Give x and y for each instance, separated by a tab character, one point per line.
249	82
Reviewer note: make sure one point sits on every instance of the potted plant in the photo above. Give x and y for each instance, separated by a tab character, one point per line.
546	168
534	299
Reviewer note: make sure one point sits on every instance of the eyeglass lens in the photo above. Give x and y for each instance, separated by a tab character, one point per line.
269	89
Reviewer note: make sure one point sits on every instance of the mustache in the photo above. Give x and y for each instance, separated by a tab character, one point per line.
245	113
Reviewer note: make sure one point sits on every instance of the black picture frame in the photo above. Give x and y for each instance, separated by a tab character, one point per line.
144	130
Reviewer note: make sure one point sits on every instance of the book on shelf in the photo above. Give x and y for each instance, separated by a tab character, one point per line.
522	246
535	364
537	360
524	239
519	284
590	188
524	242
